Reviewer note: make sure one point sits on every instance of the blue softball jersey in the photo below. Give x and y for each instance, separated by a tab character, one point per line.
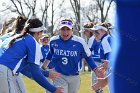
93	45
24	56
66	55
44	50
24	47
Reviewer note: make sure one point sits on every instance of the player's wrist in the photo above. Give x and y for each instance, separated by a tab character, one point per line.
95	69
44	68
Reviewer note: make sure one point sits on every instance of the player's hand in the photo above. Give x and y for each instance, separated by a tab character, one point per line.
105	64
96	86
100	84
53	74
100	71
59	90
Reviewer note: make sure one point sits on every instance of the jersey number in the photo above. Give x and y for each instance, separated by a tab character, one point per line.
64	60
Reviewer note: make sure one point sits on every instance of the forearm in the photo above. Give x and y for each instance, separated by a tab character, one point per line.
38	76
91	62
45	64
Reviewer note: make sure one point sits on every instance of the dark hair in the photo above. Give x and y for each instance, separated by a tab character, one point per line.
17	25
20	23
31	23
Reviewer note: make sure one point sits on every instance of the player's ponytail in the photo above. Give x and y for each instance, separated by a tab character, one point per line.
88	26
107	25
30	23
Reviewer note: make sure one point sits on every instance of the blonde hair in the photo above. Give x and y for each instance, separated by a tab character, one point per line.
6	25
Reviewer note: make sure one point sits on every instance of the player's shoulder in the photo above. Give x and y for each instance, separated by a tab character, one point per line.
54	38
78	39
29	39
107	39
92	38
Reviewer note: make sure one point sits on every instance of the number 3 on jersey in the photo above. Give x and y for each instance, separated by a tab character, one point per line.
64	60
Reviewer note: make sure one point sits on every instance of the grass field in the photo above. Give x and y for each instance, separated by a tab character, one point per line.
33	87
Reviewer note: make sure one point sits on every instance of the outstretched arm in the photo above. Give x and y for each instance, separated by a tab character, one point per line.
37	75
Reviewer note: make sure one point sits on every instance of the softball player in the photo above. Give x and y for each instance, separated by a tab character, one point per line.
94	47
24	56
15	27
6	28
66	53
45	49
101	34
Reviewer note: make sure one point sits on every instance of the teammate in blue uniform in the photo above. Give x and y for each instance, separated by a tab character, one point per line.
94	47
91	41
23	55
66	53
102	35
6	28
7	25
9	32
44	47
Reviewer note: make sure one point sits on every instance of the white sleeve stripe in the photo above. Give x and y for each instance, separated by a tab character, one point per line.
18	65
85	46
38	54
90	41
106	46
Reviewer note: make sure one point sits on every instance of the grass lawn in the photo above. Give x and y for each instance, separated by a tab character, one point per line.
33	87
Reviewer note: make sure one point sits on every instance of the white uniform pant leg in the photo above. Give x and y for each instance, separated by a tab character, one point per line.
70	84
74	84
7	80
61	82
20	84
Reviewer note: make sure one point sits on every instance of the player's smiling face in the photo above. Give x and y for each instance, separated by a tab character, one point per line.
66	32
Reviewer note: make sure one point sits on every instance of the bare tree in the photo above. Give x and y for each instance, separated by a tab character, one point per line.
44	10
53	12
76	9
29	5
90	12
104	9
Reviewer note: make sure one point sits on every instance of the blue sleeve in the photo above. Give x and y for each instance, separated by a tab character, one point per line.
45	73
37	75
49	56
51	65
90	62
27	72
107	56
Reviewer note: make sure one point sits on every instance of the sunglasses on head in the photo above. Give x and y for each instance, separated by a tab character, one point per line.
67	23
